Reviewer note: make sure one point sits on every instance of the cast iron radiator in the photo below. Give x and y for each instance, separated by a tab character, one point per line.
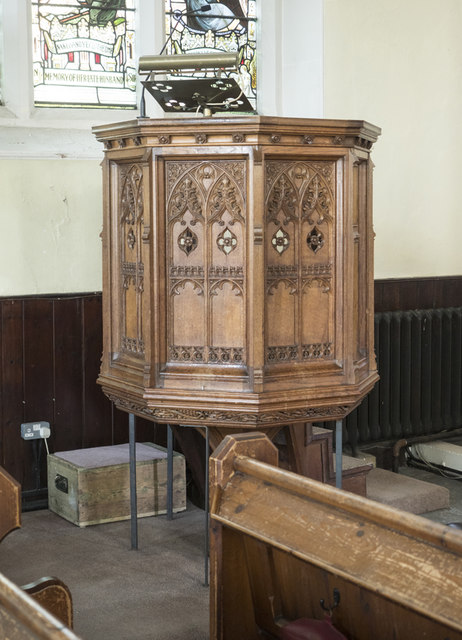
419	359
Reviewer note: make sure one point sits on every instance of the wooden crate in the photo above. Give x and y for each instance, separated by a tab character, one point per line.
92	486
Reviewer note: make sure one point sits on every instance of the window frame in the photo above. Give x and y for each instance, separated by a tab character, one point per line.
18	107
29	131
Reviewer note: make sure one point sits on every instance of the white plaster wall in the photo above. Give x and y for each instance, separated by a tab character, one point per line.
398	65
290	60
50	220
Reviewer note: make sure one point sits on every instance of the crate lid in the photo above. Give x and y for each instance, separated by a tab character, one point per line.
107	456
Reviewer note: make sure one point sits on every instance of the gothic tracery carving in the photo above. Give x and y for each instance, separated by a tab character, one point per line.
131	214
185	198
133	275
226	241
131	238
282	353
315	240
131	199
300	197
316	351
186	354
210	197
324	282
289	283
212	355
280	240
236	286
283	199
178	286
187	241
224	198
317	200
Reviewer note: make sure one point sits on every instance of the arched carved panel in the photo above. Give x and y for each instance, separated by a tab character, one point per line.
188	302
300	212
316	304
131	224
227	312
205	218
282	310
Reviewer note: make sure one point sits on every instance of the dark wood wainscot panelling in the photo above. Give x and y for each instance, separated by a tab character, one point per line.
50	358
405	294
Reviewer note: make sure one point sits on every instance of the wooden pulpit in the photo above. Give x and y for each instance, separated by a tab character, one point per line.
238	270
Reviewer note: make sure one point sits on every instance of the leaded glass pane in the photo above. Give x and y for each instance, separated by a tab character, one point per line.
226	25
84	53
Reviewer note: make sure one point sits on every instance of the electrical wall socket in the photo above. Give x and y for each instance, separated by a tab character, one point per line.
35	430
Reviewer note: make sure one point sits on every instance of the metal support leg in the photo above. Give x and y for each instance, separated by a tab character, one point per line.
338	453
169	472
133	505
206	492
206	509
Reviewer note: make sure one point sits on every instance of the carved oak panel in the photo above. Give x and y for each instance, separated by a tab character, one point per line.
131	224
300	256
205	257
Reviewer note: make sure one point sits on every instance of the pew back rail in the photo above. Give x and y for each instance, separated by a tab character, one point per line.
23	618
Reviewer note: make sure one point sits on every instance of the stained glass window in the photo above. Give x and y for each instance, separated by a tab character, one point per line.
223	25
84	53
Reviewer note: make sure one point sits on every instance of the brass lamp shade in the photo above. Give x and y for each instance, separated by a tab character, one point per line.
148	64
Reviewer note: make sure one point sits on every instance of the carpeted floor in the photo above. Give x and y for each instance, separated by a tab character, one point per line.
154	593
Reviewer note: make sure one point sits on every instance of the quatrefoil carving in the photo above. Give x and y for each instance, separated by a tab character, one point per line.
187	241
315	240
131	239
227	241
280	240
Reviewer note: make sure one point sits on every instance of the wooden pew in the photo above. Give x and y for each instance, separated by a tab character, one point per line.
54	595
282	543
23	618
10	503
41	609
